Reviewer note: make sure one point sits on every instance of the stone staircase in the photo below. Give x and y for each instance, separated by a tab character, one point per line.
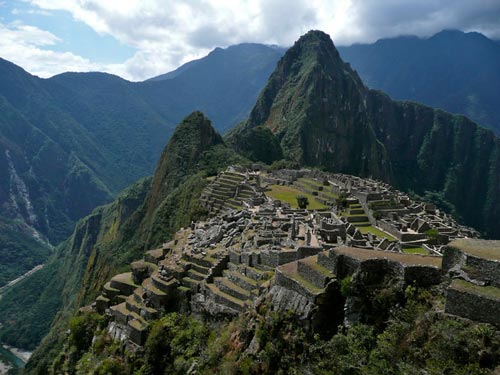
228	190
237	287
152	287
307	277
356	215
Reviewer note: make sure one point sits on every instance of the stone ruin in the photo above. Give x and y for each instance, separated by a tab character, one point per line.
253	249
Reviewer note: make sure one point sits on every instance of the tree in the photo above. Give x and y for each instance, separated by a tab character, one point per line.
302	202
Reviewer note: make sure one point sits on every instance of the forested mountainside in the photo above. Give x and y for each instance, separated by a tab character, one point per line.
452	70
142	216
319	113
71	142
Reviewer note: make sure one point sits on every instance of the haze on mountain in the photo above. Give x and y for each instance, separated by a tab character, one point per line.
452	70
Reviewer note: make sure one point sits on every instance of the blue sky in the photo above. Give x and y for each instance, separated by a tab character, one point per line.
76	37
138	39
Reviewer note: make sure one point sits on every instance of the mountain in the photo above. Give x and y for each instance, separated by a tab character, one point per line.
143	216
67	144
456	71
71	142
314	111
316	108
223	85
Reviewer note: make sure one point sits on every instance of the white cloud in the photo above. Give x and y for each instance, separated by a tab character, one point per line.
167	33
25	45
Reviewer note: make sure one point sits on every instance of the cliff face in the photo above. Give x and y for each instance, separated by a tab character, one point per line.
447	155
320	113
453	70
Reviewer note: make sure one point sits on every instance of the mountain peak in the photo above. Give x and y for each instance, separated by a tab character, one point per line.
315	36
306	95
185	154
315	43
197	131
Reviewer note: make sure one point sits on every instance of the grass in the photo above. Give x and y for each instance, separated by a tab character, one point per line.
415	250
486	291
377	232
407	259
124	278
329	194
289	195
347	214
310	181
480	248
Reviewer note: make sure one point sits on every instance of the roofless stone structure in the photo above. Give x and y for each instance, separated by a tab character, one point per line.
257	245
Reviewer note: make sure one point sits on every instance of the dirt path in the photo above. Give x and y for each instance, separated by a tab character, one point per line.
9	285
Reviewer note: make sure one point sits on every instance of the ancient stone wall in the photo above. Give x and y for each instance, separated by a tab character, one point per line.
423	276
485	269
473	307
290	284
452	257
284	299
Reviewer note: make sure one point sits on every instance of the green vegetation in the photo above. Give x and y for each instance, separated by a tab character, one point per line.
379	233
346	287
487	291
414	340
19	251
302	202
143	217
415	250
432	234
289	195
257	143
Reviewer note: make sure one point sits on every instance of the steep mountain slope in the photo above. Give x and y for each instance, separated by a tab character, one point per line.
143	216
321	114
456	71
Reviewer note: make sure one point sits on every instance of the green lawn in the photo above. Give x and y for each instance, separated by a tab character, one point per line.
377	232
487	291
289	194
415	250
310	181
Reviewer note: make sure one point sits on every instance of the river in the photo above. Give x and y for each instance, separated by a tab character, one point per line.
8	359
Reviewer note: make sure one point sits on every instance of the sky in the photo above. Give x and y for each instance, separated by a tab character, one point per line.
139	39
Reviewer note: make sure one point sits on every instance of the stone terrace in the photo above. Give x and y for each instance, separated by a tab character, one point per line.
475	291
253	247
